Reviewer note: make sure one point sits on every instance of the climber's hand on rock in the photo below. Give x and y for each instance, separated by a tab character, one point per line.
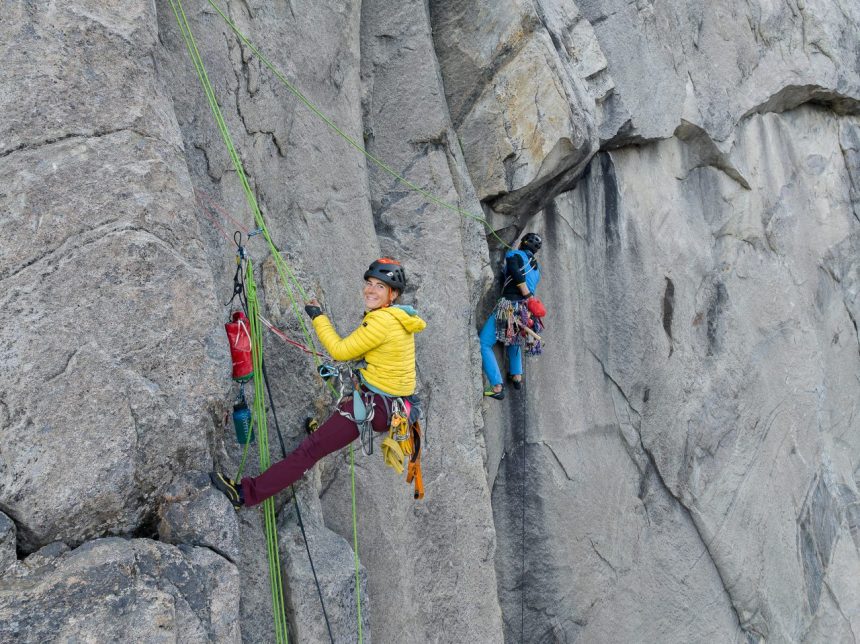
313	308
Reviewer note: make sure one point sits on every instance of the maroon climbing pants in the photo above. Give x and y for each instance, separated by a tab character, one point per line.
334	434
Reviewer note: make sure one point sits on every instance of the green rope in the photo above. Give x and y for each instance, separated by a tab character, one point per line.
355	539
430	197
273	551
286	274
287	277
238	476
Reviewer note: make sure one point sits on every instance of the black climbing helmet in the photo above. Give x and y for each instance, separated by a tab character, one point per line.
532	242
389	271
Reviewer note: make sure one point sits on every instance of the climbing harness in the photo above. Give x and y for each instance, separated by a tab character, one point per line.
363	406
403	442
517	326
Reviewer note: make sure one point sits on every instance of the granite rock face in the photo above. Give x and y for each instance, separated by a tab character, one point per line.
330	557
118	590
106	276
523	115
682	462
194	513
713	63
722	333
8	542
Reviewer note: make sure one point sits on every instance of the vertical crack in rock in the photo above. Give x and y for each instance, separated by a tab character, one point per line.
851	504
610	203
210	170
250	11
854	322
849	145
244	73
716	306
830	270
668	312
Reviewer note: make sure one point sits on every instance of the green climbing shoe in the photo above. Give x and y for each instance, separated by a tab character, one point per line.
498	395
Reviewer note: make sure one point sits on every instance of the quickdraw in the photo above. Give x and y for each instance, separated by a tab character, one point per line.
363	406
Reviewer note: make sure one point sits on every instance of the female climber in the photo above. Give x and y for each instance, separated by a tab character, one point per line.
385	341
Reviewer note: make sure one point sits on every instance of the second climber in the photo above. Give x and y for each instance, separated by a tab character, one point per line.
521	274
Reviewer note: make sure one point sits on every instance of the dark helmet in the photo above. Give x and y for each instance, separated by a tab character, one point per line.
389	271
532	242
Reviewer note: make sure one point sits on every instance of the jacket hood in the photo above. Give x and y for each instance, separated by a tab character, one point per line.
407	316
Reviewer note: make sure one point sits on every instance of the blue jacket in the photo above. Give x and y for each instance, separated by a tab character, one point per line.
520	267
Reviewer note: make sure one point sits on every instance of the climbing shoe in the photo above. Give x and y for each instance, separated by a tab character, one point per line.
231	489
498	395
516	384
311	425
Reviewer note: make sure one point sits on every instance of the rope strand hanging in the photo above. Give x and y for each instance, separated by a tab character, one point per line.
287	277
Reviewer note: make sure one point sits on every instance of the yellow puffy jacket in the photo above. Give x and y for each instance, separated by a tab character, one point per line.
385	340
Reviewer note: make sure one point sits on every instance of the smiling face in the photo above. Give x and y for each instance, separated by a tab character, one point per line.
377	294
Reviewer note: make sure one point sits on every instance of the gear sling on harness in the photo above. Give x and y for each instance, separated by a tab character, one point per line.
404	433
